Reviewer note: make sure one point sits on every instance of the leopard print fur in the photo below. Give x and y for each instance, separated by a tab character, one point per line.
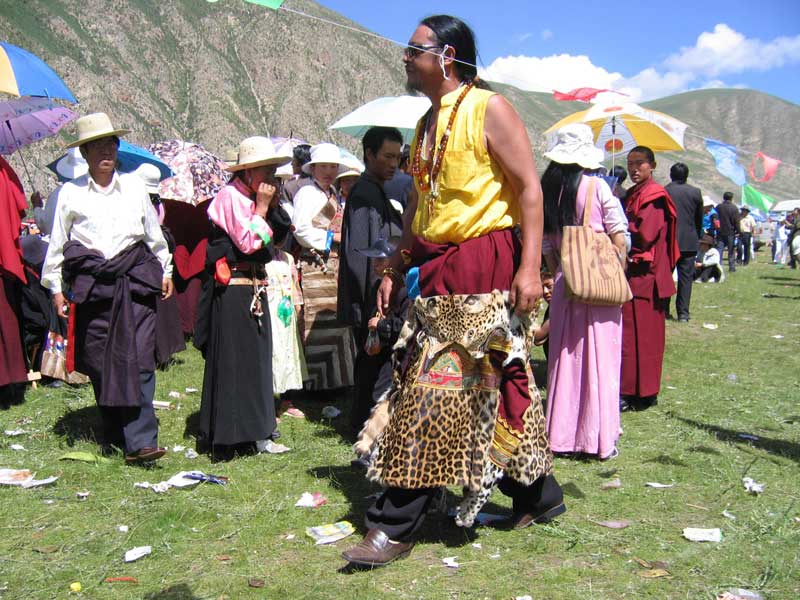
473	502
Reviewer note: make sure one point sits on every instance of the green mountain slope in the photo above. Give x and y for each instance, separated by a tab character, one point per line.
217	72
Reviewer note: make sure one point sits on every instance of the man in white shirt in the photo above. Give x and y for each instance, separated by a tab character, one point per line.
747	226
107	246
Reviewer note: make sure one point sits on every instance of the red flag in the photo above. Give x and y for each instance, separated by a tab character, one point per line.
581	94
770	166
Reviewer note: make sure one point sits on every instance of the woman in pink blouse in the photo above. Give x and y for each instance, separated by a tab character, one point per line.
233	331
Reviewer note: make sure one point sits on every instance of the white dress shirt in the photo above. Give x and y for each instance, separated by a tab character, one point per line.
105	219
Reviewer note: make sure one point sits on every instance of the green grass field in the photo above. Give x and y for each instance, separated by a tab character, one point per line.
209	541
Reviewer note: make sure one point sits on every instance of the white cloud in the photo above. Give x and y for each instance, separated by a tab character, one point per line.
546	34
722	51
518	38
727	51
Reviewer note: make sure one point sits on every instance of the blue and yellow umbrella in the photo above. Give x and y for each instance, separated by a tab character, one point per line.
25	74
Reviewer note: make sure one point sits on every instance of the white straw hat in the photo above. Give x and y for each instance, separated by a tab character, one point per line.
93	127
321	154
258	151
574	144
151	175
72	164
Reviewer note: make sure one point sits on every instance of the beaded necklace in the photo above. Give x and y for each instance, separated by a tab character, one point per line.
428	178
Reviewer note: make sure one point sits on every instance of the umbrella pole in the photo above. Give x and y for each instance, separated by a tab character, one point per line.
613	142
22	158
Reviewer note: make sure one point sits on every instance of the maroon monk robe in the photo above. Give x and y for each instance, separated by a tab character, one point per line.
654	252
12	275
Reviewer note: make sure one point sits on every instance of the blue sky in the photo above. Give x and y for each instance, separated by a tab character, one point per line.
647	49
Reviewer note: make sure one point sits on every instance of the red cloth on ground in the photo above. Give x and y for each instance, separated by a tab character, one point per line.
478	266
12	359
12	208
643	333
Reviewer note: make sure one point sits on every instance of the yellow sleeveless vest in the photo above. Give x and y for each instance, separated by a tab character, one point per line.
474	197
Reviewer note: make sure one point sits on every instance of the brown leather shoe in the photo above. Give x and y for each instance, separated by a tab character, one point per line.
523	520
376	550
145	455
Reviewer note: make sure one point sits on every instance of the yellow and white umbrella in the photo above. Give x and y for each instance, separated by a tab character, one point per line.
620	127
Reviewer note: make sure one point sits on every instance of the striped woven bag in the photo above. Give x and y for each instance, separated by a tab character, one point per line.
592	269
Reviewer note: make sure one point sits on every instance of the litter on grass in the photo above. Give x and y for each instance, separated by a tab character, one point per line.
612	485
274	448
174	394
17	447
135	554
122	528
728	515
751	486
308	500
82	495
740	594
711	326
178	448
192	390
613	524
526	597
748	436
654	573
182	479
163	404
84	457
190	454
330	532
14	432
777	337
121	580
477	545
331	412
659	486
450	562
695	534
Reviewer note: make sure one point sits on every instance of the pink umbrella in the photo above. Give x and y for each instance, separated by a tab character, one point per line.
27	120
198	174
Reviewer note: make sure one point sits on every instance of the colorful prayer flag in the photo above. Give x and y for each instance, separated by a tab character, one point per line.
725	157
581	94
273	4
755	199
770	166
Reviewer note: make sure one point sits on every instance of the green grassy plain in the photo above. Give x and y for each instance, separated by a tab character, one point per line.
208	542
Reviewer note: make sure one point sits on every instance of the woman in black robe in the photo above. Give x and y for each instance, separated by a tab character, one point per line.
233	332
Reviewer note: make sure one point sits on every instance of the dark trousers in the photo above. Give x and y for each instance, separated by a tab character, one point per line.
399	512
728	241
744	244
685	279
707	273
131	427
366	373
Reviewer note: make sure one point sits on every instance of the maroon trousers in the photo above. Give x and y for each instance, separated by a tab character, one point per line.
643	332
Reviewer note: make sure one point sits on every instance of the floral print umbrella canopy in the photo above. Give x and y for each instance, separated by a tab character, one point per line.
198	174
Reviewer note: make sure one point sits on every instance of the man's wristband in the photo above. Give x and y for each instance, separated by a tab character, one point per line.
393	274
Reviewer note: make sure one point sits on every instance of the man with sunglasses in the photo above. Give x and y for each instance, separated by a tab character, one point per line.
465	411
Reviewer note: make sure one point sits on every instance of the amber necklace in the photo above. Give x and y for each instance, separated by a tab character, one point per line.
428	178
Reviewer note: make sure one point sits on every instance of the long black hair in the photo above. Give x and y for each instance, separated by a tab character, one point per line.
560	188
458	35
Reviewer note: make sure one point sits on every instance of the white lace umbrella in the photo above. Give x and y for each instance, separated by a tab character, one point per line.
401	112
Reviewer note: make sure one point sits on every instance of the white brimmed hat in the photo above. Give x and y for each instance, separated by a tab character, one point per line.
708	201
574	144
151	175
72	164
322	154
231	156
93	127
258	151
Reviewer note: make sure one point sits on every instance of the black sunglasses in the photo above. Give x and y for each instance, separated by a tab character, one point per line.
412	51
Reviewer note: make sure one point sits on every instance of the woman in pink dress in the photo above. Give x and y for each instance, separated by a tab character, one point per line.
583	364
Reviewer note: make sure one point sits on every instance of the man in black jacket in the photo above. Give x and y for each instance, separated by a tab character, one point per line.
728	228
368	217
689	204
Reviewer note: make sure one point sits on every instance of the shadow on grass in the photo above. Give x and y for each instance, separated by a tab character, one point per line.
780	296
790	450
173	592
84	424
438	528
192	427
780	278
